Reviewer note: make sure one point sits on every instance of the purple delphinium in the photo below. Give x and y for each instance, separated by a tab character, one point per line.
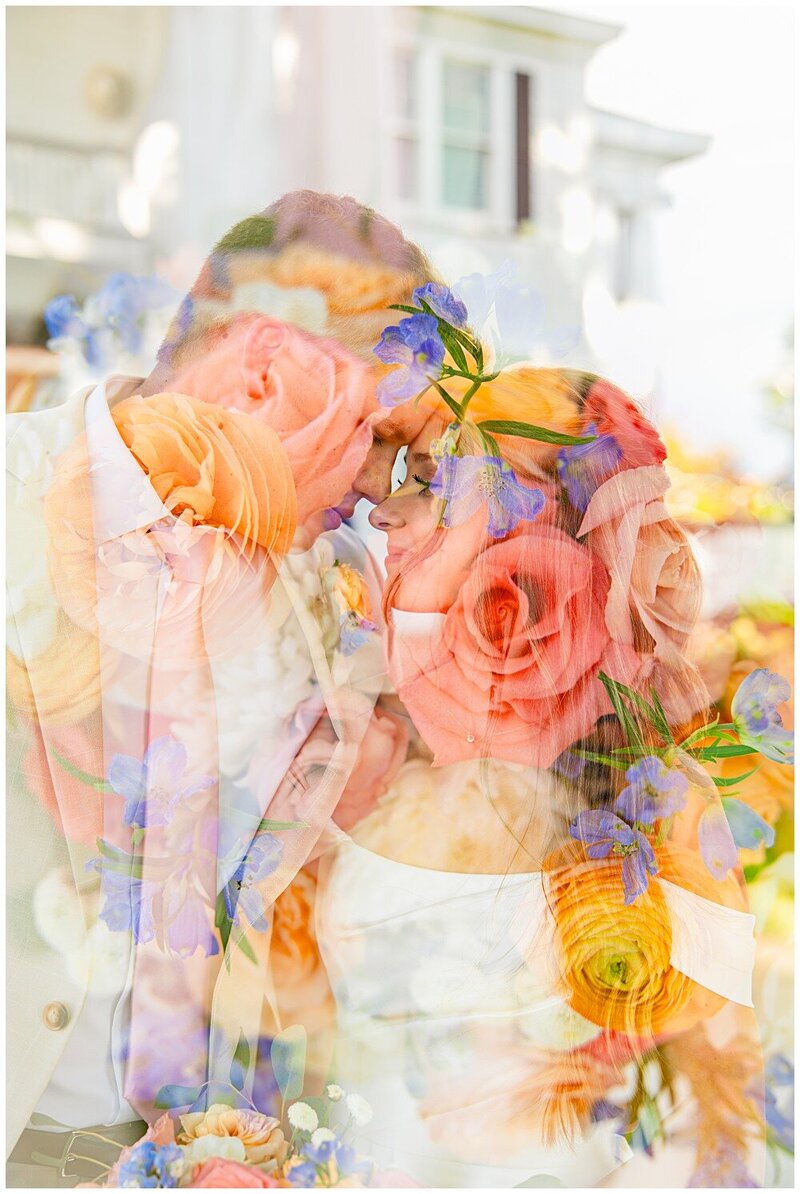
748	828
717	847
151	1166
153	786
721	1165
604	834
128	905
415	345
464	482
442	302
354	632
756	717
347	1161
63	318
240	892
652	793
583	467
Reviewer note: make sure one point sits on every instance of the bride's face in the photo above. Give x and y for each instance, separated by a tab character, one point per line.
409	516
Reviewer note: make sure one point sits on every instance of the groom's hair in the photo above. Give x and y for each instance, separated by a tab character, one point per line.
356	259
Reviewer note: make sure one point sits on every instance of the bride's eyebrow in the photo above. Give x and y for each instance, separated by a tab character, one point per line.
419	458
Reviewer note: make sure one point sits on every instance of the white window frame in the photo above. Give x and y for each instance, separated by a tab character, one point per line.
499	217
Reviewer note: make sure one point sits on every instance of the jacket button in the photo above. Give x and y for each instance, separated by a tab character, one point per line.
55	1016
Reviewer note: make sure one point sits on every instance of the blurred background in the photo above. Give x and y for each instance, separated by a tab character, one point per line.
634	161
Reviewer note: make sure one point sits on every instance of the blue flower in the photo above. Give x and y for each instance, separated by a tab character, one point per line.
152	787
511	316
442	302
123	299
569	765
62	317
748	828
151	1166
779	1072
756	717
583	467
304	1174
604	834
717	847
721	1165
653	792
348	1162
128	905
354	632
240	892
464	482
415	345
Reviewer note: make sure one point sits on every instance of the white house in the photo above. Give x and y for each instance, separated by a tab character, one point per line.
135	133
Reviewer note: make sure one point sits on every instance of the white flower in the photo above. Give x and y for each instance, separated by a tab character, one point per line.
202	1148
334	1092
322	1136
102	963
303	1117
57	912
359	1108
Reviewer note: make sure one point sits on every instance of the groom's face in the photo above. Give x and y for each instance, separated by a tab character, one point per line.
391	431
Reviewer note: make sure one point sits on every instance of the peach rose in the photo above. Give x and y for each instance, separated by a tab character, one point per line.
380	754
218	1173
652	568
311	392
260	1134
512	672
228	505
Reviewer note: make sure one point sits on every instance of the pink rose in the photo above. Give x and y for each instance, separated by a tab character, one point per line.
613	413
650	562
380	754
313	393
217	1173
513	674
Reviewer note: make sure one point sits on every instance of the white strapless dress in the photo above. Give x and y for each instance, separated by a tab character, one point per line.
444	1004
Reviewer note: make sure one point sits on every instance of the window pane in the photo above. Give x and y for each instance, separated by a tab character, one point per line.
466	97
465	173
405	78
406	167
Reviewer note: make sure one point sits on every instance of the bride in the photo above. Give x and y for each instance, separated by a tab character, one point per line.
514	1009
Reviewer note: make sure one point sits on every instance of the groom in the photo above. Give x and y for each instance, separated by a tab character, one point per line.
58	1063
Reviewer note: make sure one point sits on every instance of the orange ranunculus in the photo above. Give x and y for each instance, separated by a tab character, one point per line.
260	1134
301	980
226	493
215	466
312	393
615	958
61	685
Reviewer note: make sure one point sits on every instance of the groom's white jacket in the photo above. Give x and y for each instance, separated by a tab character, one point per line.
46	990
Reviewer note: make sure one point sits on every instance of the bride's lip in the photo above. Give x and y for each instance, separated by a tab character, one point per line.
394	554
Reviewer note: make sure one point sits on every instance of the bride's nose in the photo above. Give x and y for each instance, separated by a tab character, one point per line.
388	516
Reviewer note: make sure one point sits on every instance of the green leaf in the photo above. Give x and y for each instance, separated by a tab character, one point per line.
665	731
240	1063
405	307
450	402
92	781
118	860
594	758
531	431
723	752
452	345
246	947
268	825
734	780
176	1096
222	921
629	725
288	1057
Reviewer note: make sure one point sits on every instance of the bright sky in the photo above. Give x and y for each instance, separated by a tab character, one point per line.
726	246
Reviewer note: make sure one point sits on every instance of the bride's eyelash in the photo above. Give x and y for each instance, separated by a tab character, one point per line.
425	484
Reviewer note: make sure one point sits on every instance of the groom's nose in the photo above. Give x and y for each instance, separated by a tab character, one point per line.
374	479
